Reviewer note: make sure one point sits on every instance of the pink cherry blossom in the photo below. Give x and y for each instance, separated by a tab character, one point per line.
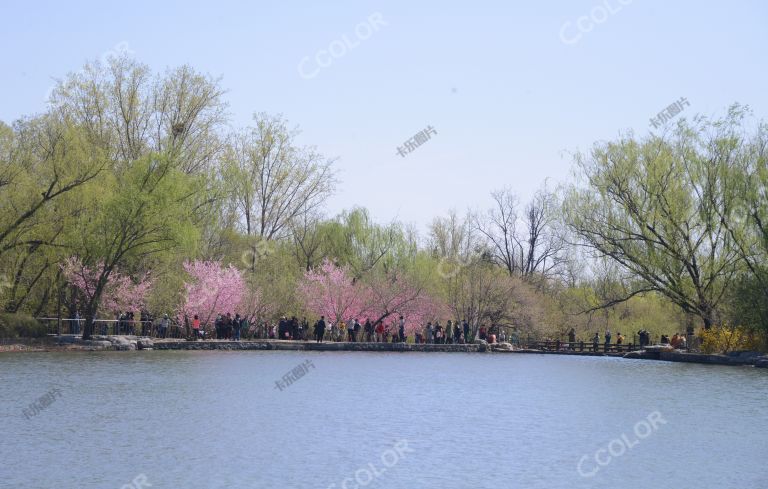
330	291
213	289
120	293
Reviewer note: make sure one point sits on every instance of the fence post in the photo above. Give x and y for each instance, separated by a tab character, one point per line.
58	313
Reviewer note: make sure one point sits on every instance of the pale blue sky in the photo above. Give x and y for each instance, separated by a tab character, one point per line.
507	96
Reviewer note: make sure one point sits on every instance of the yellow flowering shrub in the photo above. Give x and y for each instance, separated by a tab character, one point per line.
722	339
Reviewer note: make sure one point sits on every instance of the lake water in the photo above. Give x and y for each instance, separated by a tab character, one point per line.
219	420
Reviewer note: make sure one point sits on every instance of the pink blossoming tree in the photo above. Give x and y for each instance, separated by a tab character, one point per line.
392	295
213	289
104	292
330	291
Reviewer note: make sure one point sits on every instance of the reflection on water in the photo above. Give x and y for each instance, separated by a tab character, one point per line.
221	420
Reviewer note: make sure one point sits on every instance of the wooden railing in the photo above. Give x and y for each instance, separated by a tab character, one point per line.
111	327
581	346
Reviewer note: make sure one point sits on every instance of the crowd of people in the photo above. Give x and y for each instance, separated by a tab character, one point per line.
643	337
235	327
678	341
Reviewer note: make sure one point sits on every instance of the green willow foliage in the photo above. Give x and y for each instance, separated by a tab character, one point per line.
672	210
139	171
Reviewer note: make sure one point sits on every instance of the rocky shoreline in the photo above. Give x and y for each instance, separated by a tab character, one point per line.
129	343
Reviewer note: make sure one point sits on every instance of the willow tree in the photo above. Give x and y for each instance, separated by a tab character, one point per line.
746	221
160	135
655	206
43	160
272	180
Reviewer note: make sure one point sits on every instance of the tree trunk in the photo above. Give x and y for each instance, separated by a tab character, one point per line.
88	329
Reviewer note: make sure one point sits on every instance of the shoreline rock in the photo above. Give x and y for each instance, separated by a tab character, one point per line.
68	343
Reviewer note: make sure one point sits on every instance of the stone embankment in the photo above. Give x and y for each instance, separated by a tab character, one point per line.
669	354
127	343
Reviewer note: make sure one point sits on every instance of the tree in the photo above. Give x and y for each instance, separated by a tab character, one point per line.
746	219
158	135
483	293
272	180
654	206
119	293
42	160
213	290
529	246
330	291
393	294
307	238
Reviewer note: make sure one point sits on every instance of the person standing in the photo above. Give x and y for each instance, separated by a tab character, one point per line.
401	330
430	332
236	326
76	323
356	331
380	332
368	328
465	325
196	327
228	326
164	326
335	329
595	341
351	331
607	338
300	330
320	329
294	328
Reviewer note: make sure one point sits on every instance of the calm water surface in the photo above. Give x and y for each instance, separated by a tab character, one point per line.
217	420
